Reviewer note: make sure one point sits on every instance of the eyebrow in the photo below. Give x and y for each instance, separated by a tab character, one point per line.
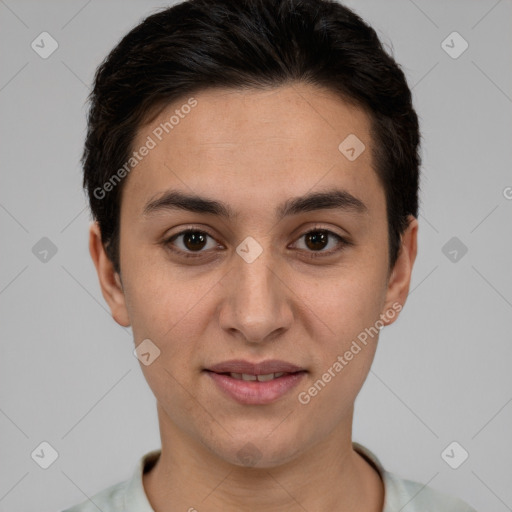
330	199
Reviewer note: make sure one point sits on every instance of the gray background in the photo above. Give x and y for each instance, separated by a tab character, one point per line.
442	372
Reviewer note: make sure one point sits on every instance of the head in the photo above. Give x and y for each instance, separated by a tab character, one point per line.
283	137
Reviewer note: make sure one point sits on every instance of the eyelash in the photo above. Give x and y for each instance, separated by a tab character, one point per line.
342	243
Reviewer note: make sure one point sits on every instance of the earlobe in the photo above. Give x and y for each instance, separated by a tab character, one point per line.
110	281
400	279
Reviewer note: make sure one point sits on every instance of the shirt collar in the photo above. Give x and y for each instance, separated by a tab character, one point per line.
136	499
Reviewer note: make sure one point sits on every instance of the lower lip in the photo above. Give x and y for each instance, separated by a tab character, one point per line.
253	392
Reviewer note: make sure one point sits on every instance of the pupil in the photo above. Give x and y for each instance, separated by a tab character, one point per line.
316	237
197	240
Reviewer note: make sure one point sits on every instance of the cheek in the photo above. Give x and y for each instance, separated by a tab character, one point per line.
172	313
350	309
347	303
162	300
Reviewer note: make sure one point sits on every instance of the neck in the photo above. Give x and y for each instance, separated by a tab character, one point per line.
329	476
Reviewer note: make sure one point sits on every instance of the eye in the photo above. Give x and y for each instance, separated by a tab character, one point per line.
316	240
192	241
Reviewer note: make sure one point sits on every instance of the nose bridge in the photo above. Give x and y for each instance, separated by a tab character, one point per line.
256	306
255	281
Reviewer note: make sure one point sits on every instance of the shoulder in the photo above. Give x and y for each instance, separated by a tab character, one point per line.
410	496
125	496
110	499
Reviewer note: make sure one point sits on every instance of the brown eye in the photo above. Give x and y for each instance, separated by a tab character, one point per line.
190	241
316	240
194	240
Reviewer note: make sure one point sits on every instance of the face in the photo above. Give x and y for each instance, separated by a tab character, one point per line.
284	270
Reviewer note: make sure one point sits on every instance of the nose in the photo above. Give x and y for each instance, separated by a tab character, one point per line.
258	305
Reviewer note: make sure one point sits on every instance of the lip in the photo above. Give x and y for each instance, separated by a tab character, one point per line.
255	392
262	368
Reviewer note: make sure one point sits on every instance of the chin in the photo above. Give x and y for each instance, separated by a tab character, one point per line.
252	451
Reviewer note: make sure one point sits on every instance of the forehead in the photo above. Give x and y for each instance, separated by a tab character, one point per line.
239	143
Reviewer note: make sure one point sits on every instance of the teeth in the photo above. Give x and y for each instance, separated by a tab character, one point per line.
264	378
259	378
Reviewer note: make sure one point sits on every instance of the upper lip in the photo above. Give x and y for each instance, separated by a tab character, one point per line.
262	368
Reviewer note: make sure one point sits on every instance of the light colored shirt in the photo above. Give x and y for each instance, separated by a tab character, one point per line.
399	496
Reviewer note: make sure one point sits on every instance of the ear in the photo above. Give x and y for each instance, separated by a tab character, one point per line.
110	280
400	278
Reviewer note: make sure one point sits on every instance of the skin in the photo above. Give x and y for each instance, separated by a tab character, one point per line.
252	150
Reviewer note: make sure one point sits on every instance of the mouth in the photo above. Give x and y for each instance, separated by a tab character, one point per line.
243	367
255	383
260	378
